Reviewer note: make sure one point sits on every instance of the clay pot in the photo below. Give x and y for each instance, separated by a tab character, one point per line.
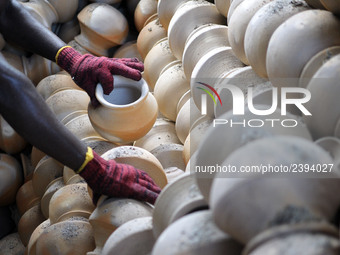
11	244
75	45
138	232
261	27
198	235
234	4
167	9
27	167
126	114
46	171
26	197
157	58
32	218
149	35
11	178
7	224
238	23
81	127
70	177
37	67
179	198
317	4
31	247
323	87
274	199
223	6
69	30
99	145
36	156
128	50
10	141
208	70
163	132
170	87
183	100
308	238
111	213
55	83
186	116
331	145
144	9
186	19
213	150
67	237
70	200
281	55
201	41
314	64
52	187
65	9
103	16
141	159
43	12
331	5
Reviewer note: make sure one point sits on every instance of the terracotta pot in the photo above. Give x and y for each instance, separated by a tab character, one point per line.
323	87
274	199
11	178
238	23
55	83
185	117
281	56
67	237
138	232
31	247
261	27
208	70
141	159
67	101
186	19
157	58
314	64
148	36
81	127
10	141
70	200
112	213
128	50
170	87
213	151
179	198
11	244
201	41
26	197
163	132
198	235
7	224
69	30
99	41
52	187
46	171
32	218
127	113
144	9
308	238
223	6
331	5
242	78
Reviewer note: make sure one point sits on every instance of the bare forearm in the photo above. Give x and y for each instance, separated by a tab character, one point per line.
25	110
19	27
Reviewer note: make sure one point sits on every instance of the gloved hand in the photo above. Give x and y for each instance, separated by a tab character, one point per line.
117	180
87	70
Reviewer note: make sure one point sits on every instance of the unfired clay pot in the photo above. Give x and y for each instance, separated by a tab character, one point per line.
138	232
81	127
36	156
261	27
111	213
186	19
43	12
331	144
233	5
11	178
26	197
31	247
323	88
285	44
11	244
69	30
179	198
148	36
128	50
102	27
127	113
223	6
52	187
70	200
203	39
195	233
275	201
170	87
144	9
166	9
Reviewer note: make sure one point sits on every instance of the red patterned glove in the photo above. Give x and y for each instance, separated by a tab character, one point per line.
117	180
87	70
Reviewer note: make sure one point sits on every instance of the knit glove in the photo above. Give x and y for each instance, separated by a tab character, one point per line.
87	70
107	177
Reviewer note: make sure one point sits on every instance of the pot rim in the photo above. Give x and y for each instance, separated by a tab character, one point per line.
120	81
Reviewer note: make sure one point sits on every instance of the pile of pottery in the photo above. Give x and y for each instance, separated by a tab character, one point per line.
165	124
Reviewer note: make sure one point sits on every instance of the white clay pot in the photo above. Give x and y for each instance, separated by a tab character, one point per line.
81	127
166	9
223	6
128	50
144	10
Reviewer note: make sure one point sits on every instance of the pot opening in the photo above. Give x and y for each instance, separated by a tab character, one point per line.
123	95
